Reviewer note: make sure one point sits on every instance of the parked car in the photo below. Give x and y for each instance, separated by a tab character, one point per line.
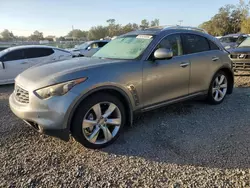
94	98
233	40
87	49
15	60
241	56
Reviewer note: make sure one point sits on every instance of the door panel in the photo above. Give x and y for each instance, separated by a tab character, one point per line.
205	58
12	69
165	79
14	64
202	69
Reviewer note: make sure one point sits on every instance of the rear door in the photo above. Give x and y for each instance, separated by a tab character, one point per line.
204	57
14	63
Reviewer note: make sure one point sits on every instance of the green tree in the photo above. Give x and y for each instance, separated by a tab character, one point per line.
155	23
78	34
7	35
245	26
229	19
144	24
36	36
98	32
129	27
113	28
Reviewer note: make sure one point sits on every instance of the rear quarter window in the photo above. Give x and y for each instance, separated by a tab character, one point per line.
195	43
38	52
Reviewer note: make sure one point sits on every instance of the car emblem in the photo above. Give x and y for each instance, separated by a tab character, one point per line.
242	56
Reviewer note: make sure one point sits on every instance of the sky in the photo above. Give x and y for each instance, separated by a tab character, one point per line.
56	17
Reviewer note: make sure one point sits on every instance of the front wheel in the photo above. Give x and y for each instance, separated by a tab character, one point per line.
218	88
98	121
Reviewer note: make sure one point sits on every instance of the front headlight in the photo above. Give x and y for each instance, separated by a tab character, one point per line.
58	89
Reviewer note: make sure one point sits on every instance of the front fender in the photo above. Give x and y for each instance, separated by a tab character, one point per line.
97	88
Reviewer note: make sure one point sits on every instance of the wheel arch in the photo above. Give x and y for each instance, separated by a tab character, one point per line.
116	91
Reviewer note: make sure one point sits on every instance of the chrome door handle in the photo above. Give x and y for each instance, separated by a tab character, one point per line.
215	58
24	62
183	65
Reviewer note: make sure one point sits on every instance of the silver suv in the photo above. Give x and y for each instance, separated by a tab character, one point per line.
94	98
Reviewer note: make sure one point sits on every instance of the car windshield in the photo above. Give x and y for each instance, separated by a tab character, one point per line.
126	47
228	39
245	43
83	46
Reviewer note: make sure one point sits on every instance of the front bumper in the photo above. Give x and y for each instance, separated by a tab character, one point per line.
46	116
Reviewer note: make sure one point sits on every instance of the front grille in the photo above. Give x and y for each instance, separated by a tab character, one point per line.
240	56
241	65
21	94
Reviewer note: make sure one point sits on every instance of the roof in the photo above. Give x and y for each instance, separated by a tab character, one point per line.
99	41
159	29
29	46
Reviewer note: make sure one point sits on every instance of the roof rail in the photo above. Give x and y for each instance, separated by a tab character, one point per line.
188	28
177	27
160	27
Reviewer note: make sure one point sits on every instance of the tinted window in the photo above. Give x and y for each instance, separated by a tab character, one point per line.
213	46
172	42
101	44
241	39
195	43
37	52
94	45
14	55
229	39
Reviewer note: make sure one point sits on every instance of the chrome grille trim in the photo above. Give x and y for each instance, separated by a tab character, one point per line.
21	95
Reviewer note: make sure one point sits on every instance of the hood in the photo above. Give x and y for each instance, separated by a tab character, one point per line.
46	74
241	50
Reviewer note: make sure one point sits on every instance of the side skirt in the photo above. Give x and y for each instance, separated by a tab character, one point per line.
172	101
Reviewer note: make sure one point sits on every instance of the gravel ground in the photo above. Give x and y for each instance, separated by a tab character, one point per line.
190	144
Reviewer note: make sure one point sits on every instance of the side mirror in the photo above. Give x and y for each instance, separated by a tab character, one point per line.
163	53
89	48
1	65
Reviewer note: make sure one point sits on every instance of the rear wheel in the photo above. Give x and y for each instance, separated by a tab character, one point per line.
218	88
98	121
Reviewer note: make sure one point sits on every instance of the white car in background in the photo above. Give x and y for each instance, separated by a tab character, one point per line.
15	60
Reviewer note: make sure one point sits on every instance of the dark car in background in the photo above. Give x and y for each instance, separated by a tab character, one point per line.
89	48
233	40
241	56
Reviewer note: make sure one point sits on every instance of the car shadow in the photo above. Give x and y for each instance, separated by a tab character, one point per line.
192	133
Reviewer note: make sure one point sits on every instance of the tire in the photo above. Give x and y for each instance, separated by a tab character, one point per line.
84	131
218	88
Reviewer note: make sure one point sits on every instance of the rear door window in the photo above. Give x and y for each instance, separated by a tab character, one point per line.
195	43
13	55
94	45
38	52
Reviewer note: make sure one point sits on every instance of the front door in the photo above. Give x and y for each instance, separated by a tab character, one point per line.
166	79
14	63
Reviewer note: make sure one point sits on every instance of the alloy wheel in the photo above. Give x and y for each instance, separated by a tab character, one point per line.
219	88
101	123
